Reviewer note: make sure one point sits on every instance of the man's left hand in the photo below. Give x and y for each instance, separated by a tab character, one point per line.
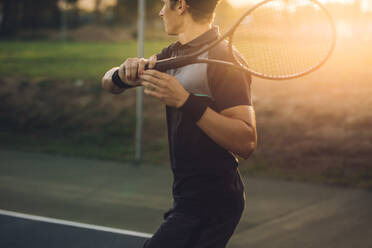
164	87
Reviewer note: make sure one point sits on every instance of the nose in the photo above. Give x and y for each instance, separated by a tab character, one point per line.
161	13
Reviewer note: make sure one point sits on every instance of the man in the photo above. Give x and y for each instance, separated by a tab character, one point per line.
210	120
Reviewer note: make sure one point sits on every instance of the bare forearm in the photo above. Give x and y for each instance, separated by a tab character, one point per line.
232	134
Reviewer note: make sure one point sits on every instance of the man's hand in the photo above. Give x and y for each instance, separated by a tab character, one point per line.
164	87
132	67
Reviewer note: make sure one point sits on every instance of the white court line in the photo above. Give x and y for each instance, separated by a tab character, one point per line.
75	224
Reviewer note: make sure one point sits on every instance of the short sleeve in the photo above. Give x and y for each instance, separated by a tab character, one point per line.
229	86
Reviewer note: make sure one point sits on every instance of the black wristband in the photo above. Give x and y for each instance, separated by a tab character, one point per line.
195	106
118	82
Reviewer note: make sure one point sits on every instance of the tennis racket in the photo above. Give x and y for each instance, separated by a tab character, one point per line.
279	39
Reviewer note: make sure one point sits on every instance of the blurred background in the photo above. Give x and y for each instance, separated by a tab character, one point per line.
53	54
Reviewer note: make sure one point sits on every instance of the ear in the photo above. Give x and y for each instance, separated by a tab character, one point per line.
181	7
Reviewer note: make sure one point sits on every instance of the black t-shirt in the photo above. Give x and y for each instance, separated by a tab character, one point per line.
202	169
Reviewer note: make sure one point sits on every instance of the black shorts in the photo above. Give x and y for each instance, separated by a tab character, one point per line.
213	229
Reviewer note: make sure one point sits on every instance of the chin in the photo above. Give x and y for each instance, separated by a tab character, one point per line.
169	31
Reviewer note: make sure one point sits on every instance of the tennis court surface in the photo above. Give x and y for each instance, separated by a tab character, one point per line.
93	203
23	230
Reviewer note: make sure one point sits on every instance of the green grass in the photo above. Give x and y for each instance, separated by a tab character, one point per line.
88	145
85	60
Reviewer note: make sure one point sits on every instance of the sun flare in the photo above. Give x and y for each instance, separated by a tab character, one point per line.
365	5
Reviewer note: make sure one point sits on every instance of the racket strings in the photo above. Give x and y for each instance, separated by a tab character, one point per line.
284	37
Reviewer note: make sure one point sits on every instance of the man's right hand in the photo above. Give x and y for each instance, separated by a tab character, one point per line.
132	67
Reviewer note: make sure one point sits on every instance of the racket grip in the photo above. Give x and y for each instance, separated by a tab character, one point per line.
172	63
167	64
159	66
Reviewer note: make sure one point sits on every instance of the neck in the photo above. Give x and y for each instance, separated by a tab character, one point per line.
192	30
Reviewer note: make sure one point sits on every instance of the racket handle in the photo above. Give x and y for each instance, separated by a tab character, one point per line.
171	63
167	64
159	67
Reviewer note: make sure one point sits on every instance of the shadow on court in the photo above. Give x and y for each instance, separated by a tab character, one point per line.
124	204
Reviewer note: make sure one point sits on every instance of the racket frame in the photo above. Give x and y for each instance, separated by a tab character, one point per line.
176	62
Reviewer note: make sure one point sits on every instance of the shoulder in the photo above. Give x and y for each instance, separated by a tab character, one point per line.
166	52
223	52
226	53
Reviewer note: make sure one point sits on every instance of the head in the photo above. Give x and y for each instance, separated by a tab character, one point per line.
176	12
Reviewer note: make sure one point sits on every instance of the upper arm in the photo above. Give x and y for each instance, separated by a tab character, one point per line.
245	114
231	91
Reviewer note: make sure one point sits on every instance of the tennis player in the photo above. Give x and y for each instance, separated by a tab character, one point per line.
211	121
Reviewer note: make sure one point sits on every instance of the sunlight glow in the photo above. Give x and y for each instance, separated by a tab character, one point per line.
240	3
352	17
90	5
365	5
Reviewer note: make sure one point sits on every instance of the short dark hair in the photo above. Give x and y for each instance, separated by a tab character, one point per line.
200	10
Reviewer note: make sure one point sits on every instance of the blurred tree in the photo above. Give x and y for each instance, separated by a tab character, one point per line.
10	17
153	9
39	14
28	14
71	13
126	11
97	11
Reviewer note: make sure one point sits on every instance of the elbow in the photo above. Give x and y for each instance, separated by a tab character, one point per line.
107	85
249	148
249	144
104	83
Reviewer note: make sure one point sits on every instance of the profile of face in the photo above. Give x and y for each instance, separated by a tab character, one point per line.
171	18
